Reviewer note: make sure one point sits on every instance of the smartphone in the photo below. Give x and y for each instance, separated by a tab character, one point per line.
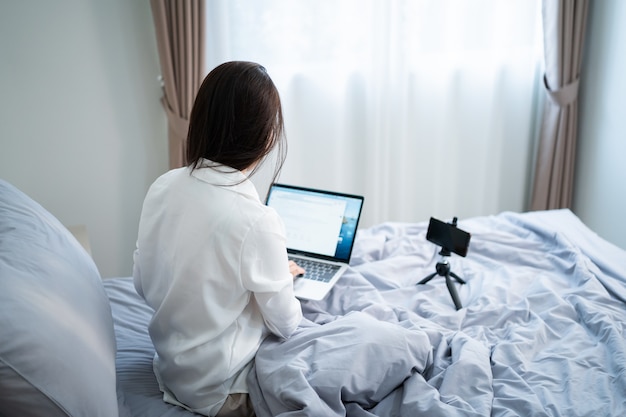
448	236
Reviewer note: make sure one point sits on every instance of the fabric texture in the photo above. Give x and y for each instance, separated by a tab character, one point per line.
138	390
179	27
564	23
422	106
541	331
211	261
57	355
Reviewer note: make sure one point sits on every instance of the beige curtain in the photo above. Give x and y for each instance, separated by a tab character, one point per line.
564	24
180	36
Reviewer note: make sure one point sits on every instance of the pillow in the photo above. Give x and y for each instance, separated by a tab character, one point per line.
57	349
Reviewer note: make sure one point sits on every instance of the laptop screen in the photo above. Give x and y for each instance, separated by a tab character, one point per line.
318	223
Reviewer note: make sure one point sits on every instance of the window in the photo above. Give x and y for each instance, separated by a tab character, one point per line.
426	107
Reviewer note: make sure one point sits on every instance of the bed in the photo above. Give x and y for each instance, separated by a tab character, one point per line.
541	332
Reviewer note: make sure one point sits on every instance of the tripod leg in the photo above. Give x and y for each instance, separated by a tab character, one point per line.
458	278
453	293
428	278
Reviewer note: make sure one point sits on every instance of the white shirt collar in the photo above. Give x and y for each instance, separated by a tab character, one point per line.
225	176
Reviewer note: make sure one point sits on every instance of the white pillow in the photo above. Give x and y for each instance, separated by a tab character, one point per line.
57	349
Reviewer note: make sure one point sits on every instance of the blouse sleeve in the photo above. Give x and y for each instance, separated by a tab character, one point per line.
265	272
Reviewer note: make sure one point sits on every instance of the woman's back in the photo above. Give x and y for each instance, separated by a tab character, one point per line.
206	244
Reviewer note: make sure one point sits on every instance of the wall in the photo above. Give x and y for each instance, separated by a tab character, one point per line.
81	127
600	184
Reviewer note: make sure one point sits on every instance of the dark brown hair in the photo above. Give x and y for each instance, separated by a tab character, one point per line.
236	119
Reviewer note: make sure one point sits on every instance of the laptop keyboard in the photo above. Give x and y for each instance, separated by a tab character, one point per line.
317	271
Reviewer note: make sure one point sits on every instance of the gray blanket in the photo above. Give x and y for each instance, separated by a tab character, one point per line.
541	332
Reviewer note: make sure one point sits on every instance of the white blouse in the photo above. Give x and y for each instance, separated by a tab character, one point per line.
211	261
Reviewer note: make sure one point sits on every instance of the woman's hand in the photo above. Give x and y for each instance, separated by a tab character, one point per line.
295	270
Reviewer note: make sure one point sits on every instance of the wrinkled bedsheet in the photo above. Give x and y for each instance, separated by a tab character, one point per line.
541	331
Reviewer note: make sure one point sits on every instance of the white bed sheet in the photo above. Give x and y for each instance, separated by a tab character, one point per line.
542	330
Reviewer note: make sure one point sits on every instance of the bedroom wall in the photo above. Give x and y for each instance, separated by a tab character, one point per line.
81	127
600	183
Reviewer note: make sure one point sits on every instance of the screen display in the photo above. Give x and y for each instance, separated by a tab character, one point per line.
317	222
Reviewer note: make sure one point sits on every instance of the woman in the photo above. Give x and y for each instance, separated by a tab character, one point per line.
211	257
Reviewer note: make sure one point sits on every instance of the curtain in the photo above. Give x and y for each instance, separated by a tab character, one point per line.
180	34
564	24
424	107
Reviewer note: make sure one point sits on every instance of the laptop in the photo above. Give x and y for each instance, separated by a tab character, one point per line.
321	228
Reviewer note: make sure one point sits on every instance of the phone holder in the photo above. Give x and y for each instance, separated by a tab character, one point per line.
443	266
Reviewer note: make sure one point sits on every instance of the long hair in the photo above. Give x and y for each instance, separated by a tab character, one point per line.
236	119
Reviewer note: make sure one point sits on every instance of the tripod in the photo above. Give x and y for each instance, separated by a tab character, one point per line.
443	269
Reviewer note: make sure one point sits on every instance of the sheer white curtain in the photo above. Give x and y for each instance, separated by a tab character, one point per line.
426	107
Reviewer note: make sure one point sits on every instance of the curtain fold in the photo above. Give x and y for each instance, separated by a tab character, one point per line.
564	23
426	108
180	33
